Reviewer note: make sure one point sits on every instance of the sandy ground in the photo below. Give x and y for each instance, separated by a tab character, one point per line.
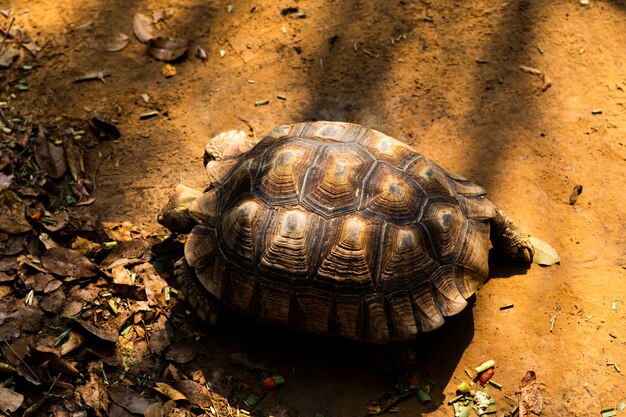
440	75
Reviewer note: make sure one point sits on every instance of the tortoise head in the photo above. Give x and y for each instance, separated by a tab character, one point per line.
175	214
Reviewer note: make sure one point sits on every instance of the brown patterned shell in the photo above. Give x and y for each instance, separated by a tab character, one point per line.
337	229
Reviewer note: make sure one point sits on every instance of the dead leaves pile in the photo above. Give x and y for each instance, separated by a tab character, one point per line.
85	326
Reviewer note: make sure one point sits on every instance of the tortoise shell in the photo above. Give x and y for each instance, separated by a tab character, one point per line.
337	229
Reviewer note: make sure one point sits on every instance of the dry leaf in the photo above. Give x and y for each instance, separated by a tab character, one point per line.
167	49
196	393
117	42
58	365
5	181
129	399
74	157
161	337
181	352
41	282
50	157
8	55
55	222
169	392
12	209
94	393
102	128
545	254
142	26
68	263
97	332
53	302
531	399
10	400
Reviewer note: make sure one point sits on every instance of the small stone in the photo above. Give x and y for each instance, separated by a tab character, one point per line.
168	70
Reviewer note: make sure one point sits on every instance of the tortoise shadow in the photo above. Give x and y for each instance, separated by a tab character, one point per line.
501	267
327	374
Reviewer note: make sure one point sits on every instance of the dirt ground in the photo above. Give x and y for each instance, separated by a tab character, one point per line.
443	76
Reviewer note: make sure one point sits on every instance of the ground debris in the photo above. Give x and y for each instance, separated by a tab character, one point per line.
93	75
576	191
143	28
531	398
167	49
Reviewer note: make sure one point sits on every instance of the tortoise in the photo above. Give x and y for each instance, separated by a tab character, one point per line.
336	229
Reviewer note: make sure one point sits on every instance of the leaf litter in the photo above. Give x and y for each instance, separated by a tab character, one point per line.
81	299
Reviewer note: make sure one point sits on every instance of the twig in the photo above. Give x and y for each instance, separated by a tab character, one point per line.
6	34
236	52
21	360
95	172
6	121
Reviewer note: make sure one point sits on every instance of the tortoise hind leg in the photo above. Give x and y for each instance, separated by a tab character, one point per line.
201	302
508	238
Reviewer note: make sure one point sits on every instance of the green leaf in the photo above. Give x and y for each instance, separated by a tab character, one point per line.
545	254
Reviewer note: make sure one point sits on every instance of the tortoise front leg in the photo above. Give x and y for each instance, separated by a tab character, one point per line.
508	238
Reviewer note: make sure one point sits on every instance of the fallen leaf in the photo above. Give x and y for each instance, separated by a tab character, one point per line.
169	392
156	410
143	28
161	338
74	157
10	400
12	210
196	393
86	247
94	393
8	55
41	282
129	399
59	366
73	342
5	181
54	222
97	332
132	251
53	302
167	49
117	42
68	263
181	352
49	157
4	277
15	243
545	254
102	128
531	399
